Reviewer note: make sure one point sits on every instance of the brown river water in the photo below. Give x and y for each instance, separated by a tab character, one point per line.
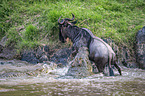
19	78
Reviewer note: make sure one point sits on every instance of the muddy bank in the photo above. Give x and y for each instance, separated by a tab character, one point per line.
60	56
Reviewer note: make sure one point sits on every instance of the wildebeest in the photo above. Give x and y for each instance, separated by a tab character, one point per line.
99	51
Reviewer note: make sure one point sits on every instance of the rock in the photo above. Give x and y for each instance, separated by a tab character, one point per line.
1	48
132	65
80	66
8	53
43	58
140	48
3	41
15	68
37	55
123	54
60	57
30	57
42	50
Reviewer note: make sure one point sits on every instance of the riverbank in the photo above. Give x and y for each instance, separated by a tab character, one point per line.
29	30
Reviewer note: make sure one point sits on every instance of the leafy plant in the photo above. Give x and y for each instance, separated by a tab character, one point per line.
13	36
31	33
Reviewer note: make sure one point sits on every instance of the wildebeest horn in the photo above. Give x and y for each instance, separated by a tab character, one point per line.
59	21
73	17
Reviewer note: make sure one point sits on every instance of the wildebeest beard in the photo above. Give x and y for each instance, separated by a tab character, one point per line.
61	38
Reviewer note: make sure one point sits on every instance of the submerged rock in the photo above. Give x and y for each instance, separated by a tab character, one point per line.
80	66
15	68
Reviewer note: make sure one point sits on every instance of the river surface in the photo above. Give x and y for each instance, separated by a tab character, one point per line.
19	78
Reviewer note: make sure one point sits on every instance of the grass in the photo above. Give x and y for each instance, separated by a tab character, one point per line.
29	23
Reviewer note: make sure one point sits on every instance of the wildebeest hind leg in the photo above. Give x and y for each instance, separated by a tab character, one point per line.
111	71
118	68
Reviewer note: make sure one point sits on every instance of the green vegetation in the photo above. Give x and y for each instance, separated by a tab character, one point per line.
28	23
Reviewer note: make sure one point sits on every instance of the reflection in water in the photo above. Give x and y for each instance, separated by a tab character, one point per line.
19	78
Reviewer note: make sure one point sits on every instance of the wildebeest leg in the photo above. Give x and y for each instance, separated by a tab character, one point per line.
74	53
100	66
108	71
100	62
111	71
118	68
100	69
94	67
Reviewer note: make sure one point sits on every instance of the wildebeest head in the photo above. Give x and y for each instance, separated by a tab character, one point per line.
65	27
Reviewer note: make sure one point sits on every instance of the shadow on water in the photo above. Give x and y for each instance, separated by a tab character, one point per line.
18	78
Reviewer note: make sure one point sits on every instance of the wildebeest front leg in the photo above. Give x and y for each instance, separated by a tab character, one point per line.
74	51
100	68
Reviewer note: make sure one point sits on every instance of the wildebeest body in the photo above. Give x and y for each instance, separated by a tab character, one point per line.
99	51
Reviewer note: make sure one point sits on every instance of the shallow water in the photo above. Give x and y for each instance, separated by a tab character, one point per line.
19	78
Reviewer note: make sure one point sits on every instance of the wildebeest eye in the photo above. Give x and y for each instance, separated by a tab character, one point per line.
60	25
